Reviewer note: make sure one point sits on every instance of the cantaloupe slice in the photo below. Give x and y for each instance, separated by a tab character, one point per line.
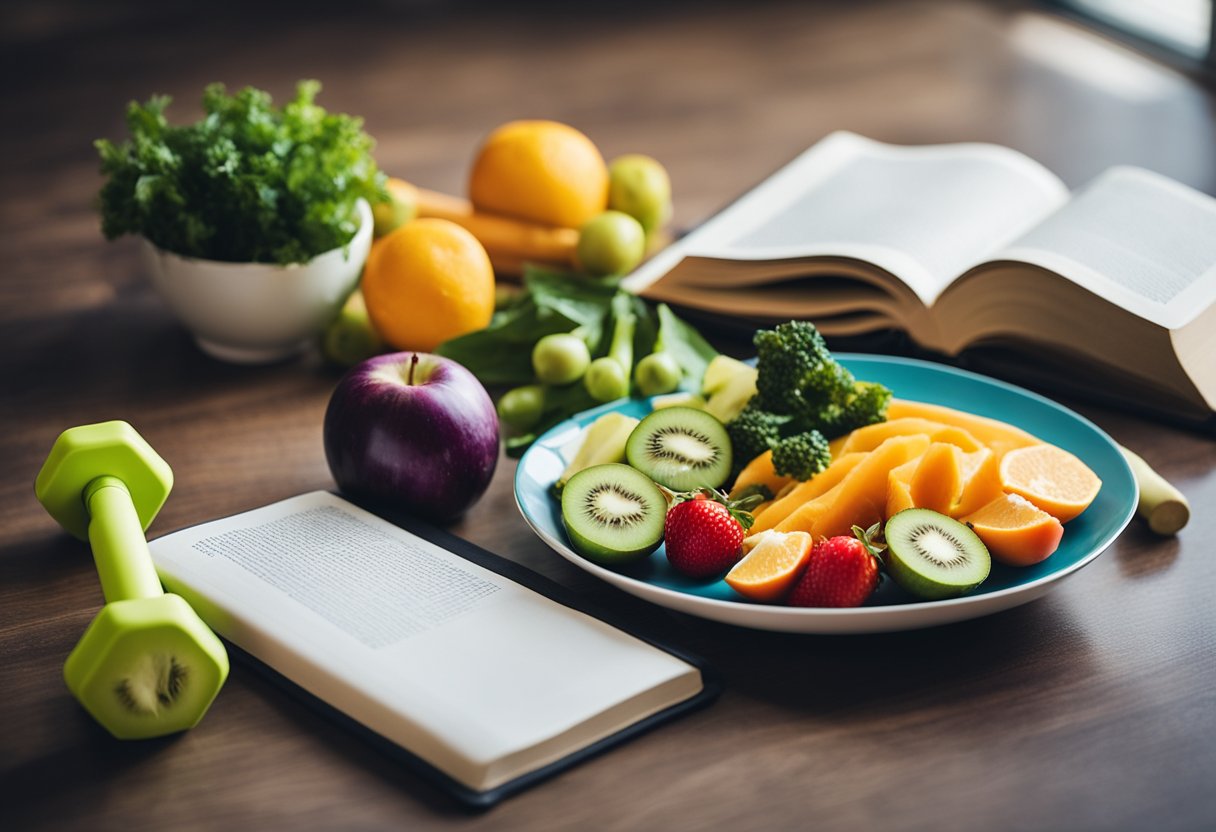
871	436
981	472
802	493
861	497
899	487
991	432
760	471
937	483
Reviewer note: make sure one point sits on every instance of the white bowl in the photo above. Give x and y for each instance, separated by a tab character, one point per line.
252	313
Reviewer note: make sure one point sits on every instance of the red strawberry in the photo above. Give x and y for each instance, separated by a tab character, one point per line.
703	533
842	572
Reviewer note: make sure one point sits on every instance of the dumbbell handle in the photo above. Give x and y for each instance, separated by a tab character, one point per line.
120	549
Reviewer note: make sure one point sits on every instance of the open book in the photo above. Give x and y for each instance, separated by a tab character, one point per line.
972	247
482	678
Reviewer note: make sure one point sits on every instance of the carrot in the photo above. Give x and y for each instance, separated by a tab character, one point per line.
509	240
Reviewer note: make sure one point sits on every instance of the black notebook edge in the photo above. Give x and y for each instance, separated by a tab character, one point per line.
467	797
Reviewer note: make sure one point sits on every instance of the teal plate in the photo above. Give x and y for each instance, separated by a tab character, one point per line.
890	608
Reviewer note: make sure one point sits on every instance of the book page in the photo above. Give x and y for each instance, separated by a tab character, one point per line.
1142	241
464	667
924	214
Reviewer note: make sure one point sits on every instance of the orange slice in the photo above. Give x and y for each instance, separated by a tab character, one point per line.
770	569
1051	478
1016	532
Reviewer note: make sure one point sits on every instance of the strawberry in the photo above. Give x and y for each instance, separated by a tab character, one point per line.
842	571
704	532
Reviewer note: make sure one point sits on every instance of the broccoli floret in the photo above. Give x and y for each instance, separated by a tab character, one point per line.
788	359
753	432
801	456
803	398
865	405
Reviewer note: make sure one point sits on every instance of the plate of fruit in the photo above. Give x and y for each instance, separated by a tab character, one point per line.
816	493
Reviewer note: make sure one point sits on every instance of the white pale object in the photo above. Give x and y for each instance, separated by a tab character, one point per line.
252	313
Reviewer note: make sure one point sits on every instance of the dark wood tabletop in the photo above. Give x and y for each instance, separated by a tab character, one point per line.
1091	708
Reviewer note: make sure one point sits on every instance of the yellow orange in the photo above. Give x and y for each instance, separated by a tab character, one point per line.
1015	531
426	282
542	171
1051	478
771	567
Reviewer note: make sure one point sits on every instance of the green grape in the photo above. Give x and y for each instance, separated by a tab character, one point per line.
657	373
561	358
521	407
639	186
606	380
612	243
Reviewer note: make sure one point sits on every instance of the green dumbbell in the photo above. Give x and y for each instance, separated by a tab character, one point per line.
147	665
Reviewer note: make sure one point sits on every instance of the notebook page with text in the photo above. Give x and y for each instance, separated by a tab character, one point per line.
473	672
1142	241
924	214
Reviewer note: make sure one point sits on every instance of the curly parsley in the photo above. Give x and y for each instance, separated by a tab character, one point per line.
250	182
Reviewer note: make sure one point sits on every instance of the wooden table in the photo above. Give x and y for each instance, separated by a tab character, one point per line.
1093	708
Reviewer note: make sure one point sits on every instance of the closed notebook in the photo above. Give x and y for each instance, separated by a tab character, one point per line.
487	684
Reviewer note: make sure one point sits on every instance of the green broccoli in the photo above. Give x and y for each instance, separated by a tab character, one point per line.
866	399
753	432
801	456
803	398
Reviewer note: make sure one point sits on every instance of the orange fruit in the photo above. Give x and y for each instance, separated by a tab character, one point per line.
771	567
1051	478
542	171
1016	532
426	282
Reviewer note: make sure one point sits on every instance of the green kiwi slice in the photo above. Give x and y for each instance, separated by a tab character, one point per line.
933	556
681	448
613	513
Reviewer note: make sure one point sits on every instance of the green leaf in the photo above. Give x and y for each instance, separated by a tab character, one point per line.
691	351
502	352
580	300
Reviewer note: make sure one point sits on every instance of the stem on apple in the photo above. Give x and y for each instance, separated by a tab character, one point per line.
413	364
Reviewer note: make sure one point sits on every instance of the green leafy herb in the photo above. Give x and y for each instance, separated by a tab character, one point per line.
250	182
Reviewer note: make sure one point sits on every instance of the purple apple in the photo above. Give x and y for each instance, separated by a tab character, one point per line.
413	431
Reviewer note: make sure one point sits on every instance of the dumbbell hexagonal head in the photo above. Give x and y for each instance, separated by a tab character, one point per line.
82	454
147	667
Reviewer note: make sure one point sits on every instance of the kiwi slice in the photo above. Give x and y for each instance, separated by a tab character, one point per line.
681	448
933	556
613	513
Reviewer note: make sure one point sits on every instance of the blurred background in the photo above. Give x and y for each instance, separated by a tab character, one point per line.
723	93
1078	85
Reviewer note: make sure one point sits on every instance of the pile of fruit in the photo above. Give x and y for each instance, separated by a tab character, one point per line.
540	196
927	494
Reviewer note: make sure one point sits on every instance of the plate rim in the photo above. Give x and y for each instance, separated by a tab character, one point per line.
837	614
